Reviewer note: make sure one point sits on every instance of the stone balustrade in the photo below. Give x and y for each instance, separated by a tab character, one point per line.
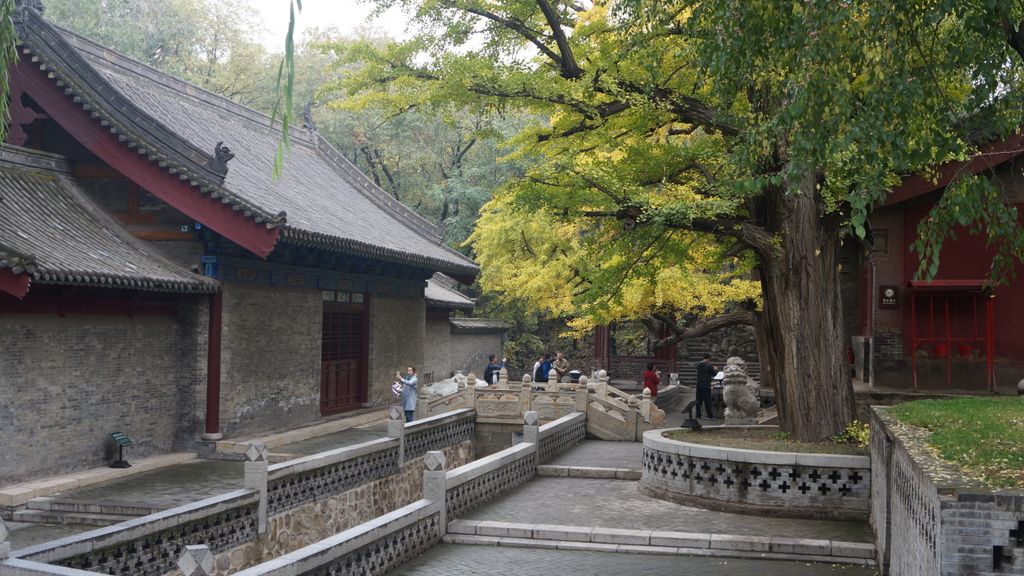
244	526
777	483
149	545
929	518
556	438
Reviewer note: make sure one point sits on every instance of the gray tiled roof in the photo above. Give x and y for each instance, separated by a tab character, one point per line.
51	230
321	200
441	293
478	325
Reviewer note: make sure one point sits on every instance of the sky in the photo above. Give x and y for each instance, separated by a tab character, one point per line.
345	15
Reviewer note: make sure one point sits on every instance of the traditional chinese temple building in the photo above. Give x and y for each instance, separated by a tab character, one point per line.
156	279
956	331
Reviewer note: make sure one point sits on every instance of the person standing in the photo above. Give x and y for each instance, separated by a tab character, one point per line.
651	379
543	369
705	373
492	370
409	392
561	365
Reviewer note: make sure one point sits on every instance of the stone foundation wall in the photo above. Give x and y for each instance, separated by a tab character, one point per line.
66	383
316	521
493	437
776	483
270	370
933	520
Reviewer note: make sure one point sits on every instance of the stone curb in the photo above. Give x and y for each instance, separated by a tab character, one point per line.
240	445
18	494
491	533
588	472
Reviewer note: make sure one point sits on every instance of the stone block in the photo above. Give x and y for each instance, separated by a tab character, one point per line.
529	543
588	546
801	546
853	550
746	543
621	536
549	470
462	526
470	539
196	561
591	472
531	418
634	549
627	474
256	452
434	460
553	532
680	539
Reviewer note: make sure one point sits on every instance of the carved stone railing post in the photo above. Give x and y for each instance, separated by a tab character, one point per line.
256	463
552	383
470	395
5	546
396	429
602	385
531	427
196	560
526	394
645	405
503	379
631	417
434	487
422	401
582	397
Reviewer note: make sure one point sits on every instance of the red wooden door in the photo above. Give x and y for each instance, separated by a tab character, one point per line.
342	380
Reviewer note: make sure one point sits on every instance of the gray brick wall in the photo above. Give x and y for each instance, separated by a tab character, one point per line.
437	345
396	340
951	528
270	359
67	382
469	352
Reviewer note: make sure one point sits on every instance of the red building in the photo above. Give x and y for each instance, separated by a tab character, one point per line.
957	331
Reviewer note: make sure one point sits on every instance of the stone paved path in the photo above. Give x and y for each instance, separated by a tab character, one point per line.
339	439
460	560
166	487
603	454
619	504
25	534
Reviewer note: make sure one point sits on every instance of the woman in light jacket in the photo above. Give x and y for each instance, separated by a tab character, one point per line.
409	392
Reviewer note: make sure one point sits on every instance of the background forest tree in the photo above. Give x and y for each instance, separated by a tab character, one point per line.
705	159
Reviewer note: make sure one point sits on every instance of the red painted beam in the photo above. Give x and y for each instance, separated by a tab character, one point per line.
252	236
989	156
213	369
16	285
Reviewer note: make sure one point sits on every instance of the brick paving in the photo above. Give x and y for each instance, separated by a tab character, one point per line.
619	504
25	534
166	487
462	560
339	439
602	454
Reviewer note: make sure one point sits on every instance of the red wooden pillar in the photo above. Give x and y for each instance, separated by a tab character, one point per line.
601	343
213	370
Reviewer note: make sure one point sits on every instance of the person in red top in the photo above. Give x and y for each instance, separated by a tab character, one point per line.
651	379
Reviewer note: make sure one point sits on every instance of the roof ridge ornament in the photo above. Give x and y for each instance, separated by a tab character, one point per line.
221	156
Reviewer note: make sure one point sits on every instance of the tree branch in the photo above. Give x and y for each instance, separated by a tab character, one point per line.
570	70
703	327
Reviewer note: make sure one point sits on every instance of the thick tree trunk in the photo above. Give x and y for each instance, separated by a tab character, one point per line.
800	331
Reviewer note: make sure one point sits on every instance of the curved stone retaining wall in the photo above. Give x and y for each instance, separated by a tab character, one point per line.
733	479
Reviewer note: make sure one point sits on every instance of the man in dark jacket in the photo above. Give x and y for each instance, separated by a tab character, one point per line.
705	373
492	370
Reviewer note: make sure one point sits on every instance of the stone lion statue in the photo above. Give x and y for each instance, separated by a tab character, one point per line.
740	392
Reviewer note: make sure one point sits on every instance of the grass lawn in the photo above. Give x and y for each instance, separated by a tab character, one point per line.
984	436
766	439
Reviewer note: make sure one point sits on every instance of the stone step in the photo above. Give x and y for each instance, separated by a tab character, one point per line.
51	517
49	504
491	533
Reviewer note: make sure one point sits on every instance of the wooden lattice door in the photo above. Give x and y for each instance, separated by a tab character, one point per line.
342	359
